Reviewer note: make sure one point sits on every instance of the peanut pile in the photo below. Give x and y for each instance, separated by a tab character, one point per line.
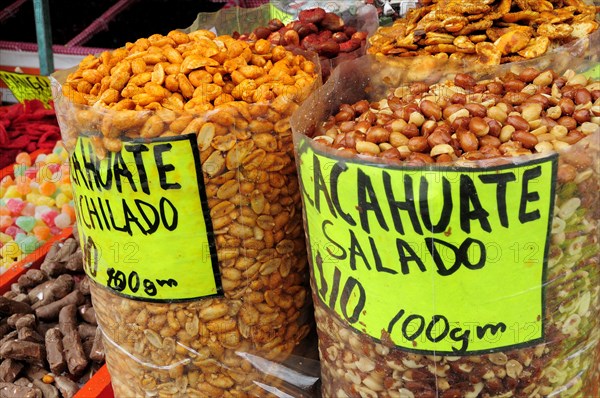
532	112
486	32
237	98
317	30
154	87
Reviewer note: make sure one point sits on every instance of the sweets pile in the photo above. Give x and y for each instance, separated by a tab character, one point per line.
487	32
35	204
50	342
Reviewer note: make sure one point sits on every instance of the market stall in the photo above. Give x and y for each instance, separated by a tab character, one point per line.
303	202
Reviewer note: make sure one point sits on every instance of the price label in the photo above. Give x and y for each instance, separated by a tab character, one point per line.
143	219
28	87
437	260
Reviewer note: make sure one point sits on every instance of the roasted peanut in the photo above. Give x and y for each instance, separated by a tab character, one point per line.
410	127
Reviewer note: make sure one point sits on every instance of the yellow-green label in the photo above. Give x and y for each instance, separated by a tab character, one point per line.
444	260
593	72
276	13
143	219
27	87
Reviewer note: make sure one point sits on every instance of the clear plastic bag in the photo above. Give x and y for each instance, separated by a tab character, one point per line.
413	296
243	21
189	212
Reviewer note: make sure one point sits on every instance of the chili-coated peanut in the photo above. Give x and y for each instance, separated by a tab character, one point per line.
207	85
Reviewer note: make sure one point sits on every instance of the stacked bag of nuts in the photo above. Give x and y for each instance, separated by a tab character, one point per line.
334	37
232	100
463	118
50	343
486	32
322	32
400	151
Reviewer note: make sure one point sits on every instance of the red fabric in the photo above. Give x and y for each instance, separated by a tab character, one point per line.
25	128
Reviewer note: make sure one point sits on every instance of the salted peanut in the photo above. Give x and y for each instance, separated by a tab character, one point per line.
547	120
109	96
185	86
152	128
474	124
140	79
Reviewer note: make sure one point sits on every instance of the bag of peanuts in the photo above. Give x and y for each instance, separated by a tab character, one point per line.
335	34
189	212
452	229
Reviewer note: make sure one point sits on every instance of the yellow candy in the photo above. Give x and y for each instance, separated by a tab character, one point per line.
10	261
12	192
61	199
53	158
5	238
45	201
10	250
67	190
43	174
32	197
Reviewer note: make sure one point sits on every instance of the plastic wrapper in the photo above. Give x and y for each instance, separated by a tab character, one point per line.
189	213
413	296
244	21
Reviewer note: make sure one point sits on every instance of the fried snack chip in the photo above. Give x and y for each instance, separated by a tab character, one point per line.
583	29
438	38
441	48
558	31
540	5
535	48
478	38
521	16
464	44
502	9
488	54
487	31
512	58
512	41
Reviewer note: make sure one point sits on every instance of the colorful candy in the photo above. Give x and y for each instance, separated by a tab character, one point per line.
36	204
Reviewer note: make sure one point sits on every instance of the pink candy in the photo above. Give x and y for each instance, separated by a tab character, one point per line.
53	167
48	218
13	230
15	206
31	173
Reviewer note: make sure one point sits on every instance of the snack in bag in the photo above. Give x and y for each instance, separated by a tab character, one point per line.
188	210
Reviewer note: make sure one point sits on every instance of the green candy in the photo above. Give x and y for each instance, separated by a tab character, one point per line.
26	223
29	244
